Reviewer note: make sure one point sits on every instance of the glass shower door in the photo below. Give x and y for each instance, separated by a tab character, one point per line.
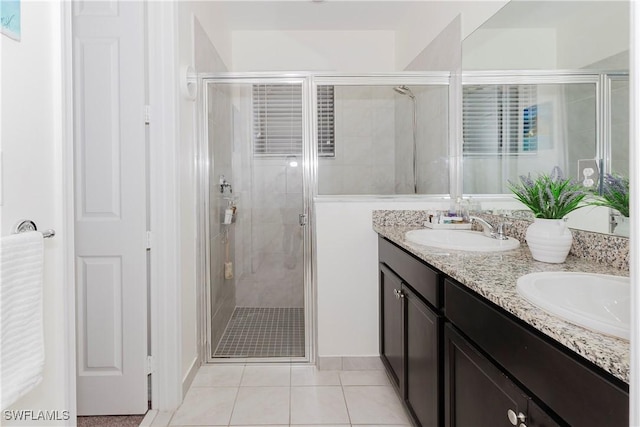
255	139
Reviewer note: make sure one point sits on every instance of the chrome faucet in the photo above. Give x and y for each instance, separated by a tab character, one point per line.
489	230
500	231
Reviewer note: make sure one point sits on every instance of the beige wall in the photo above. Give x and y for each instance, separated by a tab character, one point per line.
345	51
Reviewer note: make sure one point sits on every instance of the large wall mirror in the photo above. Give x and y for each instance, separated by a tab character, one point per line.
546	84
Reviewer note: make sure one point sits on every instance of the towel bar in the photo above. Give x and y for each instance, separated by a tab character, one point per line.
28	225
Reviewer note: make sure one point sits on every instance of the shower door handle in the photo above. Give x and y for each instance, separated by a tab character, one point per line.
302	219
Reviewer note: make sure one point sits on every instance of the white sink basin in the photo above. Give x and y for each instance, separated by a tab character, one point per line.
594	301
462	240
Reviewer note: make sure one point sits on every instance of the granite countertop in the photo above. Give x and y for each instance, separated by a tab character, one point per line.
493	275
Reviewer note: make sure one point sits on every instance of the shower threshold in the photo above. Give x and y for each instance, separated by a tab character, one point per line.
259	332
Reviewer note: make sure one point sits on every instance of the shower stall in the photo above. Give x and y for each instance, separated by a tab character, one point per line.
254	207
270	144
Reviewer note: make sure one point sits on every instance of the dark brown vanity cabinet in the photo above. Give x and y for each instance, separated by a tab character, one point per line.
410	332
391	326
572	390
479	395
458	360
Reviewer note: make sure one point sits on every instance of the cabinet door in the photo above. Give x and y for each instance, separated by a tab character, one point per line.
476	393
391	325
423	357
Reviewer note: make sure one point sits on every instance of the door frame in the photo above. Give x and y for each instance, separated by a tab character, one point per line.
165	290
165	330
68	211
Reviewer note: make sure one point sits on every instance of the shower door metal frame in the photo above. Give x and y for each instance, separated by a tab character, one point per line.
203	215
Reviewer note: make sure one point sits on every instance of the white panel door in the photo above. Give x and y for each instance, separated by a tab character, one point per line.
110	194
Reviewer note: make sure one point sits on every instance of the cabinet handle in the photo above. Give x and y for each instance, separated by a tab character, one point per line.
398	293
514	419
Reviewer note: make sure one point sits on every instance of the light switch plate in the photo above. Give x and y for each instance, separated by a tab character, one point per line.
589	173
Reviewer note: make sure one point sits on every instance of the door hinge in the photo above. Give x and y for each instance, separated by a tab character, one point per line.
150	365
147	114
149	239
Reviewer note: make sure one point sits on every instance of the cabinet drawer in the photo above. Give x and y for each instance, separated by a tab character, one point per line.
575	391
424	280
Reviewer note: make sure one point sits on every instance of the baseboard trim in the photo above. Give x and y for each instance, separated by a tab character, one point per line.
191	374
147	421
349	363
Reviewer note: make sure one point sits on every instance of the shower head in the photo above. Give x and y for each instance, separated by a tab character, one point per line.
403	90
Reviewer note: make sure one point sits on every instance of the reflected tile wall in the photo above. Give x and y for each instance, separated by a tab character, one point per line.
365	159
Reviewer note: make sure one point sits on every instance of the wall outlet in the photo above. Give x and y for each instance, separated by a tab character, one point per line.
589	173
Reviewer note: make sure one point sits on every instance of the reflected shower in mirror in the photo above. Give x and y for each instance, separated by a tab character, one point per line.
514	129
555	91
390	139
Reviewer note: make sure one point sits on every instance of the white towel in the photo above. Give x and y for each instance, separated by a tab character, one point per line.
22	336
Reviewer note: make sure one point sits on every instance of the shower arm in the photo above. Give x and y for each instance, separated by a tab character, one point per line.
404	90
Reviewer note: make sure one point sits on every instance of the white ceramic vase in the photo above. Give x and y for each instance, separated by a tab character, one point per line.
549	240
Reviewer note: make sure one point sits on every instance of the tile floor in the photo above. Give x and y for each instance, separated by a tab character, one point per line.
284	395
263	332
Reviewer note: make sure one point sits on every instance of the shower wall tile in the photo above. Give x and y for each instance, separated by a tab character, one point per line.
382	97
357	150
270	210
330	180
383	154
293	177
268	179
383	122
357	119
357	179
364	142
267	236
222	291
363	93
276	239
620	103
619	149
404	147
582	115
383	179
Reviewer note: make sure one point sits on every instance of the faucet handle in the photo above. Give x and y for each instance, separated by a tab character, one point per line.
500	228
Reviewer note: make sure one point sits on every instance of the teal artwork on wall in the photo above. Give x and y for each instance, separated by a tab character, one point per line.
10	18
